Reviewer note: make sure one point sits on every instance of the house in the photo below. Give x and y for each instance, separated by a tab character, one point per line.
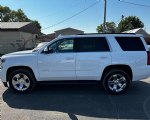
65	31
16	36
140	31
68	31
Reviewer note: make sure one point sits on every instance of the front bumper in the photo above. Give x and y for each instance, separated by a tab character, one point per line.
3	75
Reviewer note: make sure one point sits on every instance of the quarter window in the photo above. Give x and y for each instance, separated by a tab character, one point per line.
130	43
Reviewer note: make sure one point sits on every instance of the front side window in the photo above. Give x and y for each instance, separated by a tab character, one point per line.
63	46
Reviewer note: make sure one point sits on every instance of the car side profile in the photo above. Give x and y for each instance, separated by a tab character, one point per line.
115	60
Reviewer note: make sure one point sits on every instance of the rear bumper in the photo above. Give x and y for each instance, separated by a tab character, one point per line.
142	73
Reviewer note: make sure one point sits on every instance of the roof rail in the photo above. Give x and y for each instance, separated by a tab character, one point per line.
105	33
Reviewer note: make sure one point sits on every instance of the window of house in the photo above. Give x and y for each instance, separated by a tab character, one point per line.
17	41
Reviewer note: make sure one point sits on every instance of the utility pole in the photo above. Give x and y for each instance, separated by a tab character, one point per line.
122	17
104	24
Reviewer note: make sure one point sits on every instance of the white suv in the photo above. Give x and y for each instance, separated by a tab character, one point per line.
115	60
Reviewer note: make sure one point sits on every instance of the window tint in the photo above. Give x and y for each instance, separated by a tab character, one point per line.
92	44
130	43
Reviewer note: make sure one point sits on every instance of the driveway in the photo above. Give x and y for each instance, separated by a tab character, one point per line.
76	102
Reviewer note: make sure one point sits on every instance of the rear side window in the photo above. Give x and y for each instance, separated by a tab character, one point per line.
92	44
130	43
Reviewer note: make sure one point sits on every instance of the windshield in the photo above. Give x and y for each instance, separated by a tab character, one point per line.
40	45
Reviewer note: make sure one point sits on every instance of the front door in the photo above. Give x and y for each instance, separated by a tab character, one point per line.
59	65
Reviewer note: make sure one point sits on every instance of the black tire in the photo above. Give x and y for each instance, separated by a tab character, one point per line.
108	77
30	76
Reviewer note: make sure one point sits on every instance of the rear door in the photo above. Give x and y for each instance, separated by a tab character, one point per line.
93	55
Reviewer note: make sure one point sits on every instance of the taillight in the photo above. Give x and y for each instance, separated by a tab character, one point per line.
148	57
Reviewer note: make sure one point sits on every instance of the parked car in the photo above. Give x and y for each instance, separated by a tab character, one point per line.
115	60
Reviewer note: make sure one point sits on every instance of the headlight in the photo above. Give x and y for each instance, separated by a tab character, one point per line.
1	62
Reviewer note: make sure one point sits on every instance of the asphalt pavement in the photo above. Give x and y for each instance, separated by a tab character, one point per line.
76	102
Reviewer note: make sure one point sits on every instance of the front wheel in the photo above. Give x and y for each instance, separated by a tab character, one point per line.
116	82
22	81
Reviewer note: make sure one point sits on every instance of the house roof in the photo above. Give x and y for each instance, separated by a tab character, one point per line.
49	36
138	31
21	26
69	28
13	25
132	31
45	38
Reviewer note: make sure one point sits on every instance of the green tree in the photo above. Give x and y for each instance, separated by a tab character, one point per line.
110	27
21	17
36	23
8	15
129	23
5	13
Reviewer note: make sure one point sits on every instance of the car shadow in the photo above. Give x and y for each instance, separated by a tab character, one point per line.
85	100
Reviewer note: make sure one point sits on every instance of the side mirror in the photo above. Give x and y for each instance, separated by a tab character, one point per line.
47	50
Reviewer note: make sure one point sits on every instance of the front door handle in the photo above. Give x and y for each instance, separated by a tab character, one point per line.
68	60
103	57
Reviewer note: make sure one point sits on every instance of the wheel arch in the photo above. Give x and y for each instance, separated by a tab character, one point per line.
125	68
11	69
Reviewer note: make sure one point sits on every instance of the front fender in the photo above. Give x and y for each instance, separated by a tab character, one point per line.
29	61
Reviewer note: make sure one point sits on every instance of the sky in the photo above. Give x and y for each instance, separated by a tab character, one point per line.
51	12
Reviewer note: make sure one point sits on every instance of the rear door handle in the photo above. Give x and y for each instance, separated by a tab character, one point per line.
69	58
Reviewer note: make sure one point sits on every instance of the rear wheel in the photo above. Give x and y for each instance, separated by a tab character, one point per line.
22	81
116	82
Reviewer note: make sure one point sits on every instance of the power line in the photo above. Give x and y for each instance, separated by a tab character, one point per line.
142	5
118	20
72	16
